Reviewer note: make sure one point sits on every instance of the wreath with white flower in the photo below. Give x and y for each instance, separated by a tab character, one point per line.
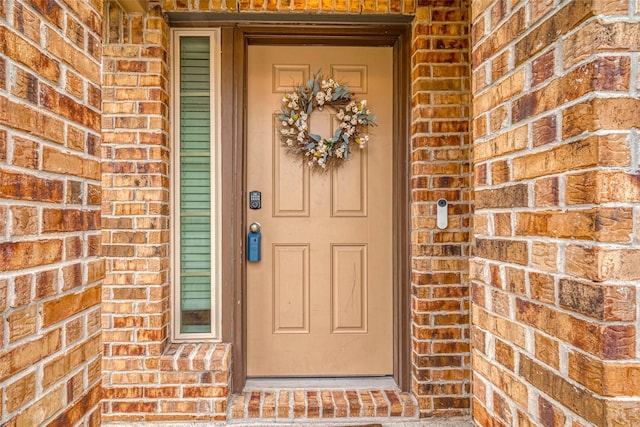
319	92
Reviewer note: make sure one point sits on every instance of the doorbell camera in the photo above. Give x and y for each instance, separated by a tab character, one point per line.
442	214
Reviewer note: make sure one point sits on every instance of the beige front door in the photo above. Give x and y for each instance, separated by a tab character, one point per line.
320	299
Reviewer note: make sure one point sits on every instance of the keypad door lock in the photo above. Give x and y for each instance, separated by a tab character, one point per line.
255	200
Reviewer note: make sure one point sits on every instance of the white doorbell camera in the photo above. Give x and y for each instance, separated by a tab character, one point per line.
442	216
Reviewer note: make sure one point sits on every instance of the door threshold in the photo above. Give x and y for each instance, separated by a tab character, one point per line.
353	383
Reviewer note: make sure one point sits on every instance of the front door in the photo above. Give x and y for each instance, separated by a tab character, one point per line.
319	302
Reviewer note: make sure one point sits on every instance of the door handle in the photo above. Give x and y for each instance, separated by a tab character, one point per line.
254	238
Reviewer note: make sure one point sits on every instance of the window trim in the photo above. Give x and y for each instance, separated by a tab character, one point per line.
216	185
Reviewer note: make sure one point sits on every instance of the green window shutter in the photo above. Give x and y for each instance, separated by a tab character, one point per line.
195	185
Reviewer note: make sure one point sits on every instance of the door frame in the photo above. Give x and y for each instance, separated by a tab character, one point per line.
395	33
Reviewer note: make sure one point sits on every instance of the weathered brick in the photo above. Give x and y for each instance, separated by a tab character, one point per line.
547	350
599	224
22	323
3	133
550	415
20	392
53	312
602	187
601	263
604	378
59	161
563	391
25	86
75	357
67	107
601	114
544	130
503	197
504	143
607	341
580	154
511	385
30	120
499	326
545	256
593	76
622	412
20	255
22	290
500	36
551	29
3	294
21	50
600	301
547	192
42	409
74	57
600	36
501	92
24	220
73	413
542	287
19	358
511	251
504	354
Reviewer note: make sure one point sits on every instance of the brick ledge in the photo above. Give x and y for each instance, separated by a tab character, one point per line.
190	384
196	357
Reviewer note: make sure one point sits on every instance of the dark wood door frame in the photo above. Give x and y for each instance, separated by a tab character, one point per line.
235	41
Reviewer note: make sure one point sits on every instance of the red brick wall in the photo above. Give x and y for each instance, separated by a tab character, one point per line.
50	270
440	168
555	274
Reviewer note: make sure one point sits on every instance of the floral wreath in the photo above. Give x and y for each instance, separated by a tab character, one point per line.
319	92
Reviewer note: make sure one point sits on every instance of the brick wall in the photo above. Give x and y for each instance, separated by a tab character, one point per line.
440	168
135	210
50	270
137	282
324	6
145	376
555	274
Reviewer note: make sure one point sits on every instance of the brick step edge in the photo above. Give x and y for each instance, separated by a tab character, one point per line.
322	405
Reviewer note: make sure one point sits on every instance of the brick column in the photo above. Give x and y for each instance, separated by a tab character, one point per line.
135	208
50	270
440	169
555	274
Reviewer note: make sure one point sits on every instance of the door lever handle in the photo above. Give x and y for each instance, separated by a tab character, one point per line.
254	238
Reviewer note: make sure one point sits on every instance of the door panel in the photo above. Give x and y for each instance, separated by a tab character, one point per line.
320	300
290	284
290	185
